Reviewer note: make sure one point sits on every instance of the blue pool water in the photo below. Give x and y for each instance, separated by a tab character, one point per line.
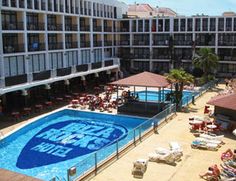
154	95
50	145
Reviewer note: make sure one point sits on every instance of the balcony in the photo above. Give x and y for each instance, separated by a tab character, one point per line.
107	43
141	56
226	43
107	29
55	27
36	27
84	28
15	80
97	28
42	75
96	65
108	63
63	71
70	45
82	68
13	26
36	47
70	27
55	46
97	43
84	44
140	42
13	48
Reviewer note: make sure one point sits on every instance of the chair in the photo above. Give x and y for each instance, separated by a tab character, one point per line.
139	168
212	137
217	142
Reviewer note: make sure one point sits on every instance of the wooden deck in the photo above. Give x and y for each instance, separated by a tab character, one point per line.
7	175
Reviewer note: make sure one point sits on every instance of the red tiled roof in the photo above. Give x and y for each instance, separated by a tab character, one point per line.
145	79
225	101
140	7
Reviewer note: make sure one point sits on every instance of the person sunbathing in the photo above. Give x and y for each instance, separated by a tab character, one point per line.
229	155
213	173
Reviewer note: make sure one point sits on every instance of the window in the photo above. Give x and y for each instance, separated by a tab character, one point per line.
205	24
197	24
212	24
167	25
228	24
190	25
176	25
221	24
182	24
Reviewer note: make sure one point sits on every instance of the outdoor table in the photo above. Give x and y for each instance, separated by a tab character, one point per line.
195	122
75	101
27	110
38	107
211	127
75	94
67	96
59	99
16	115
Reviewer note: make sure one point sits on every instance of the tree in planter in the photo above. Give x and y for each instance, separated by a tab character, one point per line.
206	60
179	78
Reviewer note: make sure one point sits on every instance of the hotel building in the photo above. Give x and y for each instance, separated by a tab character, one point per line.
47	41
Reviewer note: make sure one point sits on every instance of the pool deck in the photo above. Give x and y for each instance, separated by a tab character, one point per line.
6	175
193	161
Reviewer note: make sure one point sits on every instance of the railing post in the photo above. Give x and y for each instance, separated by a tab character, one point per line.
68	175
96	163
140	137
117	149
134	138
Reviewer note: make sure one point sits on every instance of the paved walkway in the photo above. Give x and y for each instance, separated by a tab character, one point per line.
193	162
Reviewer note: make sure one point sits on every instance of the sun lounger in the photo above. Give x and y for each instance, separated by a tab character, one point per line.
212	137
167	157
203	145
177	153
217	142
139	168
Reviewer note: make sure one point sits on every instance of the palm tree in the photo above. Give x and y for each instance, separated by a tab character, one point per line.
206	60
179	78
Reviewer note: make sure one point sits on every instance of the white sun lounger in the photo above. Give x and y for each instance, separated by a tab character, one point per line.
208	141
212	137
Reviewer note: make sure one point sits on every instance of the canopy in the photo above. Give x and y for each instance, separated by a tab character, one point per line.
224	101
144	79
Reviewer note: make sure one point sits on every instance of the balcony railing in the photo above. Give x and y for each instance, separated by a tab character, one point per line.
70	45
155	56
84	28
97	43
39	26
137	42
125	42
13	26
108	43
71	27
84	44
13	48
107	29
227	43
183	42
97	28
160	42
36	47
55	27
55	46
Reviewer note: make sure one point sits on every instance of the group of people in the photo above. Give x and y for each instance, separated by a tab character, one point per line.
128	96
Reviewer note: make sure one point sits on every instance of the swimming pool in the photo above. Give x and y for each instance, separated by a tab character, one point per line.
52	144
155	96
